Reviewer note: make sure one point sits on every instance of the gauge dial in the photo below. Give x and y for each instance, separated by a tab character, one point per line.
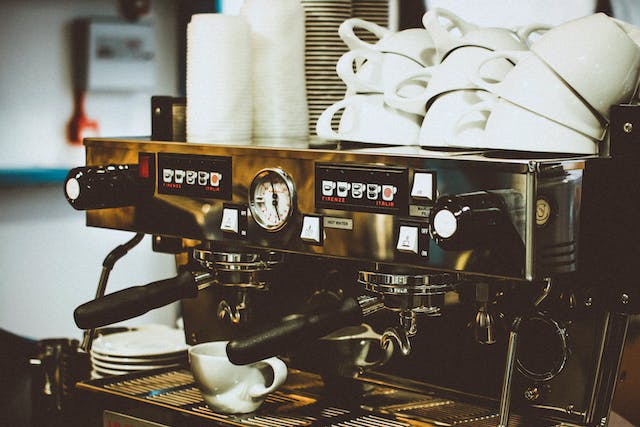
272	198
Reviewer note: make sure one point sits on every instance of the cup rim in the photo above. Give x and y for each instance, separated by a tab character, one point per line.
199	349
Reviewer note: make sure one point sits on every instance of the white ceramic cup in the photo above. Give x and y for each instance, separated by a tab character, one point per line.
230	388
451	74
595	57
366	118
510	127
459	32
377	71
414	43
443	115
534	86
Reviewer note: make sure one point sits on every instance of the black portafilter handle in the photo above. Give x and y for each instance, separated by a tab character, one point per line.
294	329
135	301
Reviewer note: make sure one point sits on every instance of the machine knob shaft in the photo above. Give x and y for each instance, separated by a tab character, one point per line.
98	187
466	221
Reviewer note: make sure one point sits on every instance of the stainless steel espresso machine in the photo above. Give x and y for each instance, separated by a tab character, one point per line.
496	287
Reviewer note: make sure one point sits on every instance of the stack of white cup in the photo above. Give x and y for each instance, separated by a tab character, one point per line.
555	99
488	88
219	95
366	69
279	94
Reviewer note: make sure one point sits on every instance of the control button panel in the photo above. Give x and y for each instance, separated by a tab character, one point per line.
229	220
312	230
234	222
361	188
412	240
408	239
195	176
424	185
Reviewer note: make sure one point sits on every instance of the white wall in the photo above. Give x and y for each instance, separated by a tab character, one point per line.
49	260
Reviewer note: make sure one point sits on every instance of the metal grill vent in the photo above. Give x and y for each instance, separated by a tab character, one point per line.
371	421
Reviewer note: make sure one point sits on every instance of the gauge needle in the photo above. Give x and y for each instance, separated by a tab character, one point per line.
275	200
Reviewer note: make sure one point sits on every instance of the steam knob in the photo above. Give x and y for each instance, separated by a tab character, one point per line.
98	187
466	221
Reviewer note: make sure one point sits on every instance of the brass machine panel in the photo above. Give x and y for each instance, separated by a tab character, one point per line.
382	190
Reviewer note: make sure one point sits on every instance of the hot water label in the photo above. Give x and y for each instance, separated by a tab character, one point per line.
194	176
361	188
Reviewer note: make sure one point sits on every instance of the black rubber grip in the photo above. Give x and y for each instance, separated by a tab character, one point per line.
135	301
292	330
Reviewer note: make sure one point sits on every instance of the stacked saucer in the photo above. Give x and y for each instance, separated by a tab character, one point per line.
137	350
323	48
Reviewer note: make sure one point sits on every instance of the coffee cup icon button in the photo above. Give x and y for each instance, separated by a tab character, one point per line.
372	191
388	191
328	187
357	190
343	189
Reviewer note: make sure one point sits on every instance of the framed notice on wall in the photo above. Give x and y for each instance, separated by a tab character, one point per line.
120	56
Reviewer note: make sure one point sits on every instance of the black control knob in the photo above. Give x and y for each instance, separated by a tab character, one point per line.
98	187
467	221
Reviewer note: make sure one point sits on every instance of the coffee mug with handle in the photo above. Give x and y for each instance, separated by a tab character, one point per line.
443	115
230	388
366	118
451	74
510	127
534	86
446	40
377	70
596	58
413	43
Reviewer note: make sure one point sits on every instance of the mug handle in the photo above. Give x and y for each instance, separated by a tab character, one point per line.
323	125
345	69
483	106
442	37
475	74
346	32
525	32
279	377
416	104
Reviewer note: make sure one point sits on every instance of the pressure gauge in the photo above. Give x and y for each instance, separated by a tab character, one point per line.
272	198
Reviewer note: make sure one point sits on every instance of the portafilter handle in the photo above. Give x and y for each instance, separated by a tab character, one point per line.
297	328
137	300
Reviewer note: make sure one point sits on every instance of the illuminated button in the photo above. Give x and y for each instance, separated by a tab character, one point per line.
388	191
422	185
191	177
167	175
311	229
203	178
216	177
408	239
229	220
179	176
445	224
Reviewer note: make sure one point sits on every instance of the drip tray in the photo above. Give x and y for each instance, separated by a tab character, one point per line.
300	403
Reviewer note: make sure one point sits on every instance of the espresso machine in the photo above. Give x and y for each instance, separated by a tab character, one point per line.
495	287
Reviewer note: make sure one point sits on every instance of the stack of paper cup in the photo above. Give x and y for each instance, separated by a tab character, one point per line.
279	93
219	94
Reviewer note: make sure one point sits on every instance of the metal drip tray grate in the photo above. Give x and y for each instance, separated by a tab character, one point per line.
177	391
452	413
303	402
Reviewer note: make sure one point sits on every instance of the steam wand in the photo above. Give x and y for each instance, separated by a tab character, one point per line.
107	265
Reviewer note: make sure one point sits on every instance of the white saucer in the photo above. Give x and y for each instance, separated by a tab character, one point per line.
141	343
